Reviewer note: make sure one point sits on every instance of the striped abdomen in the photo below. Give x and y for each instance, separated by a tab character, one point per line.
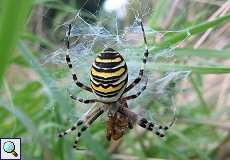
109	76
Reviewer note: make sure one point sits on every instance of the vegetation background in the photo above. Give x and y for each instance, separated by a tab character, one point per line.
34	108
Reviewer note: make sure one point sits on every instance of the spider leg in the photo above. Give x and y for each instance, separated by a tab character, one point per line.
137	94
80	122
70	65
87	125
86	101
157	129
141	72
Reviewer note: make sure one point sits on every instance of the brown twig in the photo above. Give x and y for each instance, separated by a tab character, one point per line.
213	2
170	14
220	12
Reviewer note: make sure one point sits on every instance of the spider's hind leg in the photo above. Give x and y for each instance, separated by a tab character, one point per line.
157	129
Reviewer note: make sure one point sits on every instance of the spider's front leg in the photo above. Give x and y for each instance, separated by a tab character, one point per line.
84	121
157	129
70	65
145	58
87	125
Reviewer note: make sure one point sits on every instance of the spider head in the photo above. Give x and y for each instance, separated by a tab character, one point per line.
109	50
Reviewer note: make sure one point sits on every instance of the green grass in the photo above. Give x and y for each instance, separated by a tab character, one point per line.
208	53
194	69
193	30
12	22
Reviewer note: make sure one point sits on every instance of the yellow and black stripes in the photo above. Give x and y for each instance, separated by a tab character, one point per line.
108	73
109	76
145	58
70	65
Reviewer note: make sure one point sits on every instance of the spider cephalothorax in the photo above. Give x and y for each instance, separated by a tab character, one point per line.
109	78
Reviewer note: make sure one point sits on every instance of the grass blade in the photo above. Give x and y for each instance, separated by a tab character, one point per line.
199	28
196	69
202	53
12	20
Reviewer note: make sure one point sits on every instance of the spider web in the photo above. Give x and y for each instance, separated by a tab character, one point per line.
91	33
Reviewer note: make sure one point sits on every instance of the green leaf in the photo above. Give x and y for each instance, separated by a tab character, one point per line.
209	53
157	13
196	69
12	20
46	78
199	28
95	147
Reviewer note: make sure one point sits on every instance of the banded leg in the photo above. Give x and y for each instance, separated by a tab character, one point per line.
158	129
70	65
138	93
86	101
141	72
80	122
86	126
74	127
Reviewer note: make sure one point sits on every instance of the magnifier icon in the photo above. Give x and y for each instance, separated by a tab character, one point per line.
9	147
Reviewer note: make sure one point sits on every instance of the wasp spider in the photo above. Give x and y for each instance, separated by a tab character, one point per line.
109	79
